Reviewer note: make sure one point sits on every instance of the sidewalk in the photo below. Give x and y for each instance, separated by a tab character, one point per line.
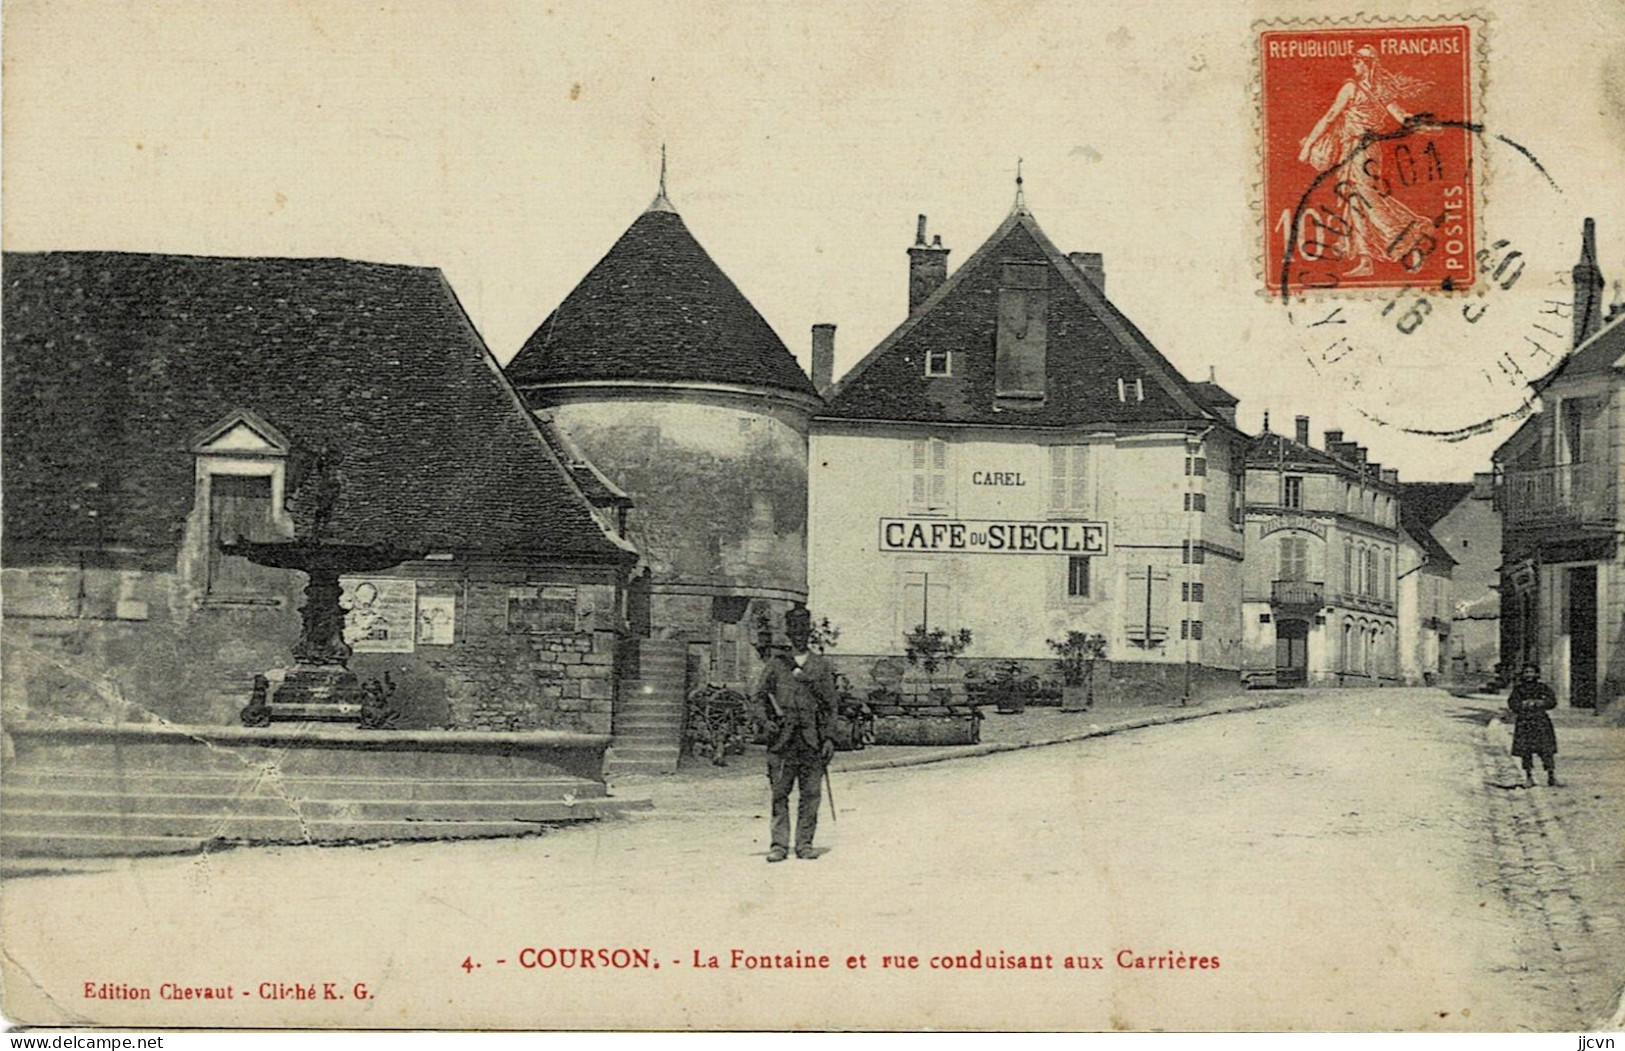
697	781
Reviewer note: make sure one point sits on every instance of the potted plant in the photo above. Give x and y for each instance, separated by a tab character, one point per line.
1075	656
1009	688
931	650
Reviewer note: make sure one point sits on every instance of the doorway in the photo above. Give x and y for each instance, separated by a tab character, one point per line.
1291	652
1583	636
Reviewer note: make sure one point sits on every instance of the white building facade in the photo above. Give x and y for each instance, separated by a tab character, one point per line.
1017	460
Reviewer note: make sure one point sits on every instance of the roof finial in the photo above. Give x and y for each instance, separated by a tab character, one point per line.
1021	197
661	203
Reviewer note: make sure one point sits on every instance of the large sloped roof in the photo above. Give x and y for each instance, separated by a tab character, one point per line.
115	362
657	308
1603	352
1090	346
1427	502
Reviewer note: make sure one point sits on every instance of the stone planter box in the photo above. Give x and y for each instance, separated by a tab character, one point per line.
958	726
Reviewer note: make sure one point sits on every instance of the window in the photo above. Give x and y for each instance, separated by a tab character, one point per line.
1130	390
1263	618
1190	629
1368	561
1077	576
928	600
1294	558
1191	552
1292	491
1189	592
1196	466
1196	501
1069	479
939	363
239	509
928	482
1238	496
1348	567
1387	575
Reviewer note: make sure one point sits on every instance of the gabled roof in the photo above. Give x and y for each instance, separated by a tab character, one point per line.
1427	502
657	308
1603	352
1213	395
116	364
1432	551
1090	346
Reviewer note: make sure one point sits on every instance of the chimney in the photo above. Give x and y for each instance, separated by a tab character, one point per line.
1483	485
927	267
1022	340
1391	475
1357	453
1302	425
1588	286
1333	439
823	357
1092	265
1266	421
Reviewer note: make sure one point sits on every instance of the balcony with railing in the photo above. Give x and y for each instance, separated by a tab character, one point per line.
1298	594
1570	494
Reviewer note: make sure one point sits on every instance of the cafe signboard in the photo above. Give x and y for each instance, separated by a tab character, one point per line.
953	536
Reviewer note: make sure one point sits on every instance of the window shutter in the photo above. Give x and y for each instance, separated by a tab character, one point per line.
1078	489
918	489
1058	478
939	474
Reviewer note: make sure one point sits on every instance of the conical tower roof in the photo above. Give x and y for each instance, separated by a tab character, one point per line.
658	309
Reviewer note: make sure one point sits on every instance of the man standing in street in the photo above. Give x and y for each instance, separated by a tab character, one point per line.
796	701
1532	731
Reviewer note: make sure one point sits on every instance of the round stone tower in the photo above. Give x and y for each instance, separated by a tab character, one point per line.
669	382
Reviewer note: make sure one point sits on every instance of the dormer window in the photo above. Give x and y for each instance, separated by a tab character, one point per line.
939	363
239	489
1130	390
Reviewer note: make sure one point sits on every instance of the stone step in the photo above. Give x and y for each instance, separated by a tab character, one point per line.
626	767
25	810
647	730
91	845
640	750
79	842
313	788
287	828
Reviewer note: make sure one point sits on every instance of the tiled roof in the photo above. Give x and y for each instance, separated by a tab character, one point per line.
1601	353
657	308
1090	346
115	362
1277	450
1210	393
1427	502
1432	550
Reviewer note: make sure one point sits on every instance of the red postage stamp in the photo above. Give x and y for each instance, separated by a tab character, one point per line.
1368	136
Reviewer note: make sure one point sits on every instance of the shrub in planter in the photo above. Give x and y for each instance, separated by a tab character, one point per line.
1075	658
931	651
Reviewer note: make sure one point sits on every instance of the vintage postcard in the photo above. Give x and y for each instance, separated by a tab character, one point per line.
722	515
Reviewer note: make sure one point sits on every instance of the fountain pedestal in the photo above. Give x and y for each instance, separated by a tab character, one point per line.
320	686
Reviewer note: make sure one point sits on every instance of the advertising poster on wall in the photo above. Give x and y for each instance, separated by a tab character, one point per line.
379	613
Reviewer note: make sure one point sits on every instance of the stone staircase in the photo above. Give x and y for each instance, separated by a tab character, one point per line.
149	791
648	726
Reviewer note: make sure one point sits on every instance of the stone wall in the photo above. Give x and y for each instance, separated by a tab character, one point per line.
119	645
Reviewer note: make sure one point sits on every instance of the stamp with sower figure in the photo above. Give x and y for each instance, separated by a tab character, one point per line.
1368	142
